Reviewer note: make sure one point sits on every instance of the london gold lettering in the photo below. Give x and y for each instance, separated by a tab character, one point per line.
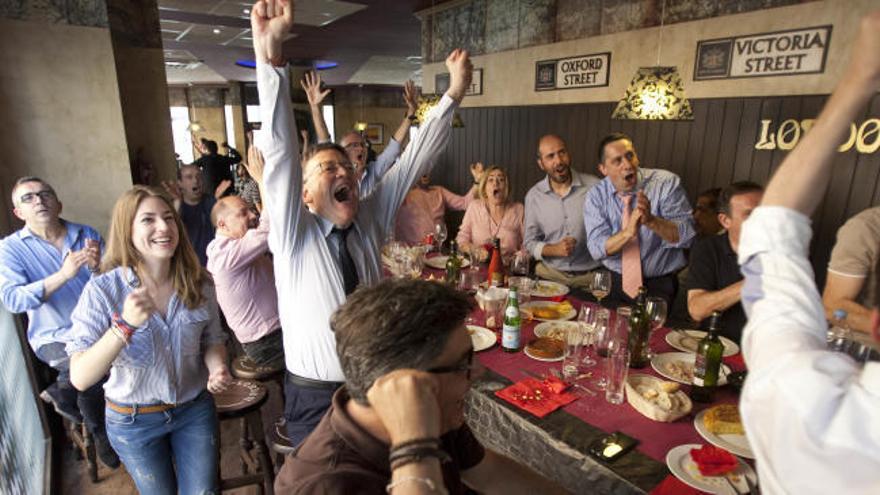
865	138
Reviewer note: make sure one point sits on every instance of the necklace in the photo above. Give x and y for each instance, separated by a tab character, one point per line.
492	223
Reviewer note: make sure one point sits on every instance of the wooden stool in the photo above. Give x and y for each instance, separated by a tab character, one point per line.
246	369
243	400
280	443
84	445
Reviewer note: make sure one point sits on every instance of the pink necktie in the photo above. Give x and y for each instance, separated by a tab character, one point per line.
631	261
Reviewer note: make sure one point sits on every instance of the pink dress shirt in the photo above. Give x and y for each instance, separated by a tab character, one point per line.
424	208
245	282
478	226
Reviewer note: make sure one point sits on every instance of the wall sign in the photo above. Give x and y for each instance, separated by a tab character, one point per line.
583	71
864	137
783	53
441	83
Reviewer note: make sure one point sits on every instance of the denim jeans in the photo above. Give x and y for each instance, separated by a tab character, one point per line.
268	350
303	409
90	402
174	451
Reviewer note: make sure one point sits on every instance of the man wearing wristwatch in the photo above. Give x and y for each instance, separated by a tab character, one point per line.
43	270
368	174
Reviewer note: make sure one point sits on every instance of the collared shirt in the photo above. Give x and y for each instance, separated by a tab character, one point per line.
603	210
25	261
164	362
307	273
713	267
810	414
245	282
424	208
550	218
478	226
377	169
339	456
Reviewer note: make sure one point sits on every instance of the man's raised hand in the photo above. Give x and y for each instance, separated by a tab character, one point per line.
411	97
311	84
460	72
271	21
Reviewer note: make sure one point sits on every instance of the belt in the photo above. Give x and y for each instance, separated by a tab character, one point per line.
155	408
304	382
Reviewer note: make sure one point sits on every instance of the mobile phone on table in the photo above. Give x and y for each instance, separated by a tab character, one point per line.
613	446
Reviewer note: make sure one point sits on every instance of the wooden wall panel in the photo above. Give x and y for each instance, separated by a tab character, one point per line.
717	147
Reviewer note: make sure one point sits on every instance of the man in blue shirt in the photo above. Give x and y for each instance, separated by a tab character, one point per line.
43	269
638	223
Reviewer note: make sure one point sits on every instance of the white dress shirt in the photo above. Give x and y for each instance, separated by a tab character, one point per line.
812	416
307	272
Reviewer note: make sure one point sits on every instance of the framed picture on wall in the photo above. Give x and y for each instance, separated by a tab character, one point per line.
375	133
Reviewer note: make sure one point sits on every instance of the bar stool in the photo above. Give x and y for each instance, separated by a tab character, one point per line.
280	443
243	400
246	369
84	445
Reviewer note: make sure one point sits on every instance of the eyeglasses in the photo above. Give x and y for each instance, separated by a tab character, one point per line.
332	167
466	367
356	144
28	198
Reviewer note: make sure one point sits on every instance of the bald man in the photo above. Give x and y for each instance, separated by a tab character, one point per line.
238	259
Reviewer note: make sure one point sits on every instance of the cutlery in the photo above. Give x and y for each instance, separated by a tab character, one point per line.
732	484
558	374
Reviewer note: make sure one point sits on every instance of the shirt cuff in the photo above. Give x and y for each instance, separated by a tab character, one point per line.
36	289
538	251
775	228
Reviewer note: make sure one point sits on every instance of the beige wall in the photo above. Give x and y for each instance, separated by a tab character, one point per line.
390	118
509	77
61	117
213	121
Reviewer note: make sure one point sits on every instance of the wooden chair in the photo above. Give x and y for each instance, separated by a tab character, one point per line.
242	401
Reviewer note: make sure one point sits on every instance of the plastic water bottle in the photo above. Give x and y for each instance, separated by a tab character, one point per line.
839	334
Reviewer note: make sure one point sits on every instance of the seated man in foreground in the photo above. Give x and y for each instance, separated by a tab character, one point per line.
810	414
407	359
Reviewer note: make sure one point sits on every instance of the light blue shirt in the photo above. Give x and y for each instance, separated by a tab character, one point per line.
550	218
377	169
25	261
164	362
603	211
307	274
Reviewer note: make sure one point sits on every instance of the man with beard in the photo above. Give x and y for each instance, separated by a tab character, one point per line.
554	230
408	363
638	223
324	237
368	173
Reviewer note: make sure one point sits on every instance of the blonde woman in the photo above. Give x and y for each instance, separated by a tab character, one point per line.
493	215
151	320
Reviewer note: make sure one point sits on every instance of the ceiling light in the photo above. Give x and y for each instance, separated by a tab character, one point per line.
325	64
216	31
247	11
246	63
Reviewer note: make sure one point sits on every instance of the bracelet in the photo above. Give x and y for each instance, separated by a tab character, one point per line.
416	441
126	328
428	482
412	118
409	455
118	333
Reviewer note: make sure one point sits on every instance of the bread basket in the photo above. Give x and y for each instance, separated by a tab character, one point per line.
677	404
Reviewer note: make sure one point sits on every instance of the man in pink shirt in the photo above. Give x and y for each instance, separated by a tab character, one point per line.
238	259
425	205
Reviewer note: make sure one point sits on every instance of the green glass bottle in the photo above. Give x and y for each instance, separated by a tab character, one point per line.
511	331
707	365
453	264
639	330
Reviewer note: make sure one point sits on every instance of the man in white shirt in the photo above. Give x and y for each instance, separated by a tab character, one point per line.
324	237
811	415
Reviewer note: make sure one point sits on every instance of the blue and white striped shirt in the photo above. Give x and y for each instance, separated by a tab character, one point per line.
25	260
603	210
164	362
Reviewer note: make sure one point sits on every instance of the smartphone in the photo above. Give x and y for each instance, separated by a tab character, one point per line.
613	446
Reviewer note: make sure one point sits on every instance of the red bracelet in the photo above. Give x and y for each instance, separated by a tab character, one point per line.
122	325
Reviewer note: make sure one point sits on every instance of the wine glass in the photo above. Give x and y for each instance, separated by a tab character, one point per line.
440	234
520	263
587	319
601	286
656	309
476	252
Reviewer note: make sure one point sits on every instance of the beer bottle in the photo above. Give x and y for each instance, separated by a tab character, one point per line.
639	331
453	264
496	267
512	327
707	364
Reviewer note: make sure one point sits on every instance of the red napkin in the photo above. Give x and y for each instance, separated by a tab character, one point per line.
558	299
713	461
736	362
673	486
539	397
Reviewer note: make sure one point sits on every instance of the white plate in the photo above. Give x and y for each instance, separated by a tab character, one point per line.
661	361
735	444
536	358
546	288
689	343
481	337
547	304
542	329
684	468
439	262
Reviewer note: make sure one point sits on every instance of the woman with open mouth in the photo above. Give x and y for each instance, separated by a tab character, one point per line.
493	215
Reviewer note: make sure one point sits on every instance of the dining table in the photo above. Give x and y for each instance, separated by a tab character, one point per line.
557	445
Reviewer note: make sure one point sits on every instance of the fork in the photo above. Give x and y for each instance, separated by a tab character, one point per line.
733	486
558	374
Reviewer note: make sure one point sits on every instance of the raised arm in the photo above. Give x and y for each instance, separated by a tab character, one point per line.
311	84
411	97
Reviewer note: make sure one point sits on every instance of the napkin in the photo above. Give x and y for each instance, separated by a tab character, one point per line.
673	486
736	362
539	397
713	461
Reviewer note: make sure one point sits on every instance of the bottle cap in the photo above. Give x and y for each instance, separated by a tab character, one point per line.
839	314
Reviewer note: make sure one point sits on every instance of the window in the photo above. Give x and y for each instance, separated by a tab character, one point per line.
183	145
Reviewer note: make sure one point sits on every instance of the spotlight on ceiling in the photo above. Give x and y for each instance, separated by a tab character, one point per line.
325	64
246	63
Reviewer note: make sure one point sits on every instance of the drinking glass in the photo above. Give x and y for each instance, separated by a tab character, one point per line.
657	310
476	253
587	319
523	288
470	281
601	286
440	234
603	338
494	312
616	367
520	263
574	343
